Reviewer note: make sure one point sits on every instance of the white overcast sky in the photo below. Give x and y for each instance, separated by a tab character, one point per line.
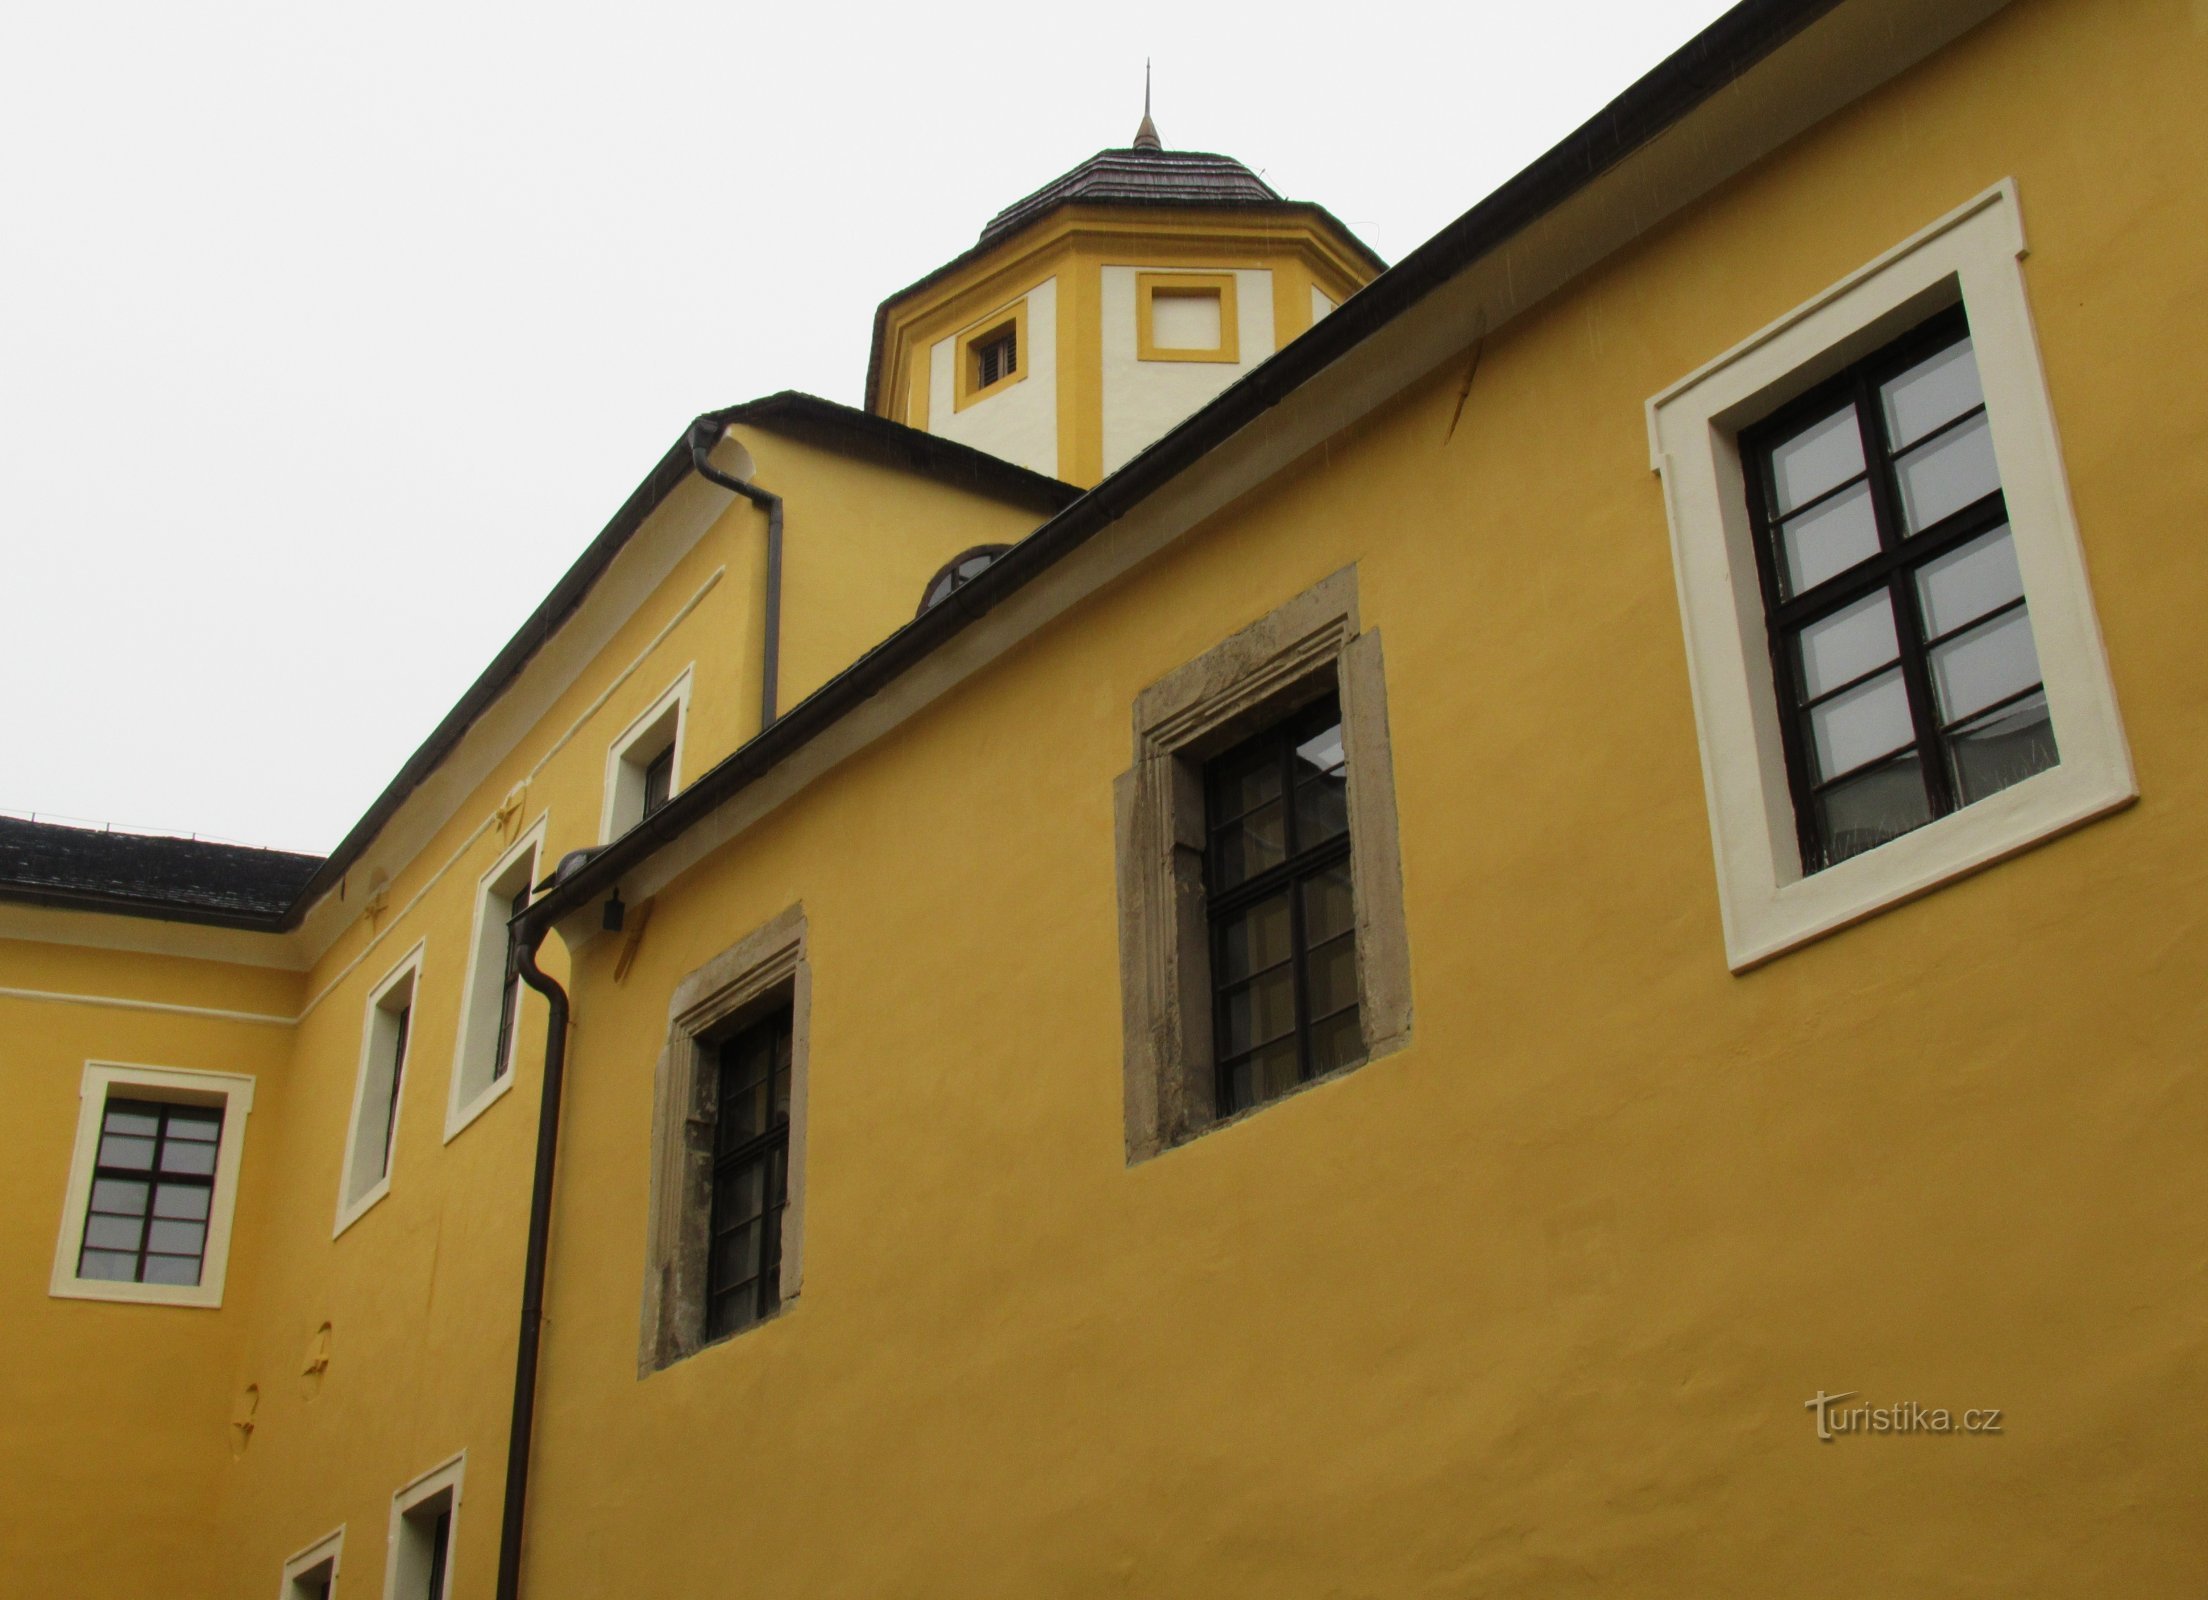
330	335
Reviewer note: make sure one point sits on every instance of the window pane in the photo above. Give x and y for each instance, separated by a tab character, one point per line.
113	1233
121	1195
1256	939
1985	665
1967	583
1332	970
1822	456
177	1238
743	1109
1825	542
132	1117
736	1255
1322	809
185	1200
1861	725
1937	389
1274	1071
1336	1042
192	1124
117	1151
109	1267
1245	782
1842	647
1322	752
2004	747
1244	849
172	1269
737	1195
1260	1011
177	1156
1953	471
1874	807
1327	906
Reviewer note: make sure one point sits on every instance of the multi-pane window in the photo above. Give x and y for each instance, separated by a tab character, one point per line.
1283	925
153	1185
1902	645
996	356
751	1174
402	1024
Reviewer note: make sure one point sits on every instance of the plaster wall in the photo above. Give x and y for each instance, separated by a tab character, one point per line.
1142	399
1018	422
1636	1209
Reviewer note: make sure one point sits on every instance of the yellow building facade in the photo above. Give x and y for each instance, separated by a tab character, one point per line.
1497	960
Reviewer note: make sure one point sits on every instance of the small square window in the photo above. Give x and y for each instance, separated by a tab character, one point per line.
1186	316
152	1186
992	355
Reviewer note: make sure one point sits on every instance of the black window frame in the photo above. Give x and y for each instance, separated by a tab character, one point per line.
509	994
768	1035
1901	556
996	355
155	1178
659	780
1300	866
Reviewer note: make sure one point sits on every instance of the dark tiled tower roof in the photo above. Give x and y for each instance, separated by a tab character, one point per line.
1140	176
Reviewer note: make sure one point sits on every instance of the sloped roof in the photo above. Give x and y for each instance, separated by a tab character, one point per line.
1143	178
190	879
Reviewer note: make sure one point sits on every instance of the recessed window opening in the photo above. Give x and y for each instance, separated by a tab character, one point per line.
1185	319
491	1012
995	355
385	1046
424	1520
1283	920
312	1574
1900	635
644	767
152	1192
751	1169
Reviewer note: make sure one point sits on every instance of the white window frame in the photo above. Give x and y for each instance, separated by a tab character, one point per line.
660	727
327	1551
1769	905
233	1092
352	1207
446	1475
483	993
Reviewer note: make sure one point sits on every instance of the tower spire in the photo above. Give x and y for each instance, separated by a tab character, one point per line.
1146	136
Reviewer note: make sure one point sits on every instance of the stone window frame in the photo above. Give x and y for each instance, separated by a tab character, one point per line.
1307	646
743	982
1768	903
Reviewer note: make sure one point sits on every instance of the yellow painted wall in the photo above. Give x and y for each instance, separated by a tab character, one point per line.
1532	1306
125	1471
1528	1307
115	1419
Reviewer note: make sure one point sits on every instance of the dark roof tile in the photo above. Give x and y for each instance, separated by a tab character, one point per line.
220	882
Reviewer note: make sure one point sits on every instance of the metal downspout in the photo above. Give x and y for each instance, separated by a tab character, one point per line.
532	1277
705	433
